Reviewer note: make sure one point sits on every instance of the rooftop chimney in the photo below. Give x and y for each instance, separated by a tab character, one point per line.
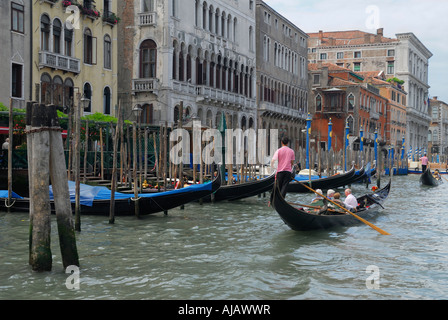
380	31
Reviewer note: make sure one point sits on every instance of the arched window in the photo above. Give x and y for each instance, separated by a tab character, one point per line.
318	103
68	92
351	102
45	89
89	47
148	59
107	52
88	94
176	114
58	91
68	41
106	100
45	33
57	35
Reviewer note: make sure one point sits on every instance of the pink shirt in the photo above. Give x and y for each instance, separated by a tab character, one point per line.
424	160
284	156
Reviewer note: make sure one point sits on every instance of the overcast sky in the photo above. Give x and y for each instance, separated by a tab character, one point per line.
427	19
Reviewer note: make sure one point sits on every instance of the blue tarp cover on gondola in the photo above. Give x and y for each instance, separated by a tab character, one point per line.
4	194
89	193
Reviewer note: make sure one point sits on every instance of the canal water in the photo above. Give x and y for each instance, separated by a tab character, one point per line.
243	250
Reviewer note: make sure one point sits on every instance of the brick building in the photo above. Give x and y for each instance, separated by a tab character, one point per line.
339	94
404	57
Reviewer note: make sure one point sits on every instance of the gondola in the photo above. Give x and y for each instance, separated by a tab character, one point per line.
427	179
301	220
330	182
241	191
96	200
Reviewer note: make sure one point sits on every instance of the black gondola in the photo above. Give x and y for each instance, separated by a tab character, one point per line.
149	203
427	179
301	220
244	190
331	182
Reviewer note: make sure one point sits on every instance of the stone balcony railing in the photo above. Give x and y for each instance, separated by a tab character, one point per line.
145	85
59	62
282	110
225	97
147	19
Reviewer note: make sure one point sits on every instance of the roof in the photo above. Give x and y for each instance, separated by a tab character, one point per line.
351	37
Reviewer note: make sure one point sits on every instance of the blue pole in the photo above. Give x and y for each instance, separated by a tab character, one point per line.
375	146
347	128
308	133
361	135
403	147
330	134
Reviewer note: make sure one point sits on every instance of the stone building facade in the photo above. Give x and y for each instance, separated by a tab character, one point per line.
282	75
75	51
404	57
438	130
15	37
189	58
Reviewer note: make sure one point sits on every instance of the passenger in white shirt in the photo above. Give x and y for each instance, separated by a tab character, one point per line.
350	201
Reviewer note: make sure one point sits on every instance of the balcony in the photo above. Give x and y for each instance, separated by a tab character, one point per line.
150	85
59	62
281	110
213	95
110	18
51	2
146	19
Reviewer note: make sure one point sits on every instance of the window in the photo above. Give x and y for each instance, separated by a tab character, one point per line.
351	102
16	81
340	55
106	100
58	91
45	89
57	28
316	79
357	54
147	5
357	66
68	41
391	53
148	56
88	94
323	56
391	67
148	114
107	52
45	33
17	17
318	103
68	92
89	47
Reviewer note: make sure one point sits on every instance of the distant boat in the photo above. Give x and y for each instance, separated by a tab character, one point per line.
427	179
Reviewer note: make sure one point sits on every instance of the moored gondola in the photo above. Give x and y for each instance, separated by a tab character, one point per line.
300	219
427	179
244	190
96	200
330	182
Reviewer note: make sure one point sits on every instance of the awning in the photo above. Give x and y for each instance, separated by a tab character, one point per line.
5	130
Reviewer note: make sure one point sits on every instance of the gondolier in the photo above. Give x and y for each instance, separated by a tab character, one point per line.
424	161
285	159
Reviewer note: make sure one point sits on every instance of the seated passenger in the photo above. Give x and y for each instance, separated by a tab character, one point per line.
350	201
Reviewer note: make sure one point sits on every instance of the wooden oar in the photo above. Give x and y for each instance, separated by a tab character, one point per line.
348	211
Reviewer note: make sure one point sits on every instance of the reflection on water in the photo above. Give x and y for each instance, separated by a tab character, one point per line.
243	250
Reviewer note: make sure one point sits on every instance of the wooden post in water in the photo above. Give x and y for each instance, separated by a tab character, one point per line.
10	145
134	136
64	217
38	171
86	148
47	160
114	169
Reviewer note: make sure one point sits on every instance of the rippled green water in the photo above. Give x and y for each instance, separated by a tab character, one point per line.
243	250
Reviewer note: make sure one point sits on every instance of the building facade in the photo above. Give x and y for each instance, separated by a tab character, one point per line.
282	75
15	37
438	130
189	59
75	51
344	97
403	57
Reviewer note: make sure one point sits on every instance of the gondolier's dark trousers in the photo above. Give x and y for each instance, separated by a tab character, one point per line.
282	179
